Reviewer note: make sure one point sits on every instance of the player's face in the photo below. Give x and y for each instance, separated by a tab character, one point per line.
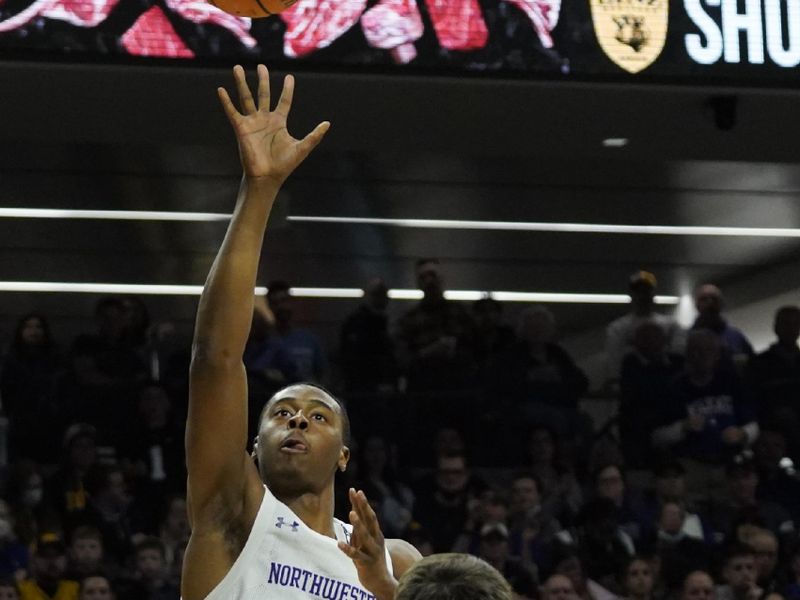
300	444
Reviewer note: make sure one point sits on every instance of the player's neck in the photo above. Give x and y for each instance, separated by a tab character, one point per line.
315	510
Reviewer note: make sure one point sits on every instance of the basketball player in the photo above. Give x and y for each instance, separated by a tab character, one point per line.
263	526
453	577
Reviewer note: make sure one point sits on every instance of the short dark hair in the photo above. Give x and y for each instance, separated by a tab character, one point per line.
85	532
453	577
737	550
151	543
346	433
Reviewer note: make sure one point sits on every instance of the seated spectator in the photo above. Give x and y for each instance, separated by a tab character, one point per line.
568	563
436	338
540	376
599	541
418	536
609	482
532	528
112	509
777	481
765	546
678	553
637	581
712	418
489	507
366	349
442	507
95	587
151	573
31	508
67	488
739	575
620	333
174	529
698	585
558	587
494	549
85	553
153	451
8	590
709	303
647	374
743	507
13	554
393	500
776	374
452	577
670	486
302	346
562	495
48	568
29	388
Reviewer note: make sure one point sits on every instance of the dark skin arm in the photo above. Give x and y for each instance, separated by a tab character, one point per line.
367	549
224	487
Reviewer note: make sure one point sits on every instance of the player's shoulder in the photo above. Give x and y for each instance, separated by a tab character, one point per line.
403	555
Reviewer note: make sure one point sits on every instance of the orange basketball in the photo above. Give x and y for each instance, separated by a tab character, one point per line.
253	8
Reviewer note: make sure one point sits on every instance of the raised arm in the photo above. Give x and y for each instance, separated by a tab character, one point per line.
219	470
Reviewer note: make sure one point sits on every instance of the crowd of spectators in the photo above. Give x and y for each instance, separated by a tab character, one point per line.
469	437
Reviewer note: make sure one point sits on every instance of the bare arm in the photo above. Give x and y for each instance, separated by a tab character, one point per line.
219	470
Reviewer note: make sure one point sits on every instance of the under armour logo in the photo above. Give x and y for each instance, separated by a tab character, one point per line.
281	522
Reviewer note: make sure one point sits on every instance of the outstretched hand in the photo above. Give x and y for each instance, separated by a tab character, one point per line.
266	149
367	548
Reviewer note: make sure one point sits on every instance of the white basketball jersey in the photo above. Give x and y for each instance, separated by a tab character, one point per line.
283	559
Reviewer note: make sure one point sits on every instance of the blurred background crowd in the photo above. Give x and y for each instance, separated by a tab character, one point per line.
470	435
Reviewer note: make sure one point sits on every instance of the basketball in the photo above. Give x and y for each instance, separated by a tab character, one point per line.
254	9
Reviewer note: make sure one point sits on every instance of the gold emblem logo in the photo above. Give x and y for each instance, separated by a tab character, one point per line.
631	32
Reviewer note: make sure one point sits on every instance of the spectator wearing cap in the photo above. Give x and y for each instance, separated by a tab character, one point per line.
710	420
739	575
647	374
744	508
709	303
494	549
620	333
48	568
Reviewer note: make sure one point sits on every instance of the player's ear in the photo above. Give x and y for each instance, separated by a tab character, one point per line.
254	453
344	458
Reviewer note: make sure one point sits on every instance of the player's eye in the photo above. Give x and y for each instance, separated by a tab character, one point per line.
282	412
318	417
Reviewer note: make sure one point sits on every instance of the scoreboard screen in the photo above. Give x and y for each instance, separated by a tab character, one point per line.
739	42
